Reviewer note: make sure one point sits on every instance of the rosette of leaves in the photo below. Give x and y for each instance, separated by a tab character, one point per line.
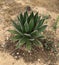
28	30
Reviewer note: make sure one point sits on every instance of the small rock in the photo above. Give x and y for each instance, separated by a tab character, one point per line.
7	38
15	57
29	51
42	49
55	45
23	53
17	53
3	45
28	8
39	60
30	54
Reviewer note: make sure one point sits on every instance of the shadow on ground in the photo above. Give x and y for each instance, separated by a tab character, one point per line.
37	54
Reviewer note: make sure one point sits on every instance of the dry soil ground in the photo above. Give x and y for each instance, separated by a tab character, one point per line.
9	9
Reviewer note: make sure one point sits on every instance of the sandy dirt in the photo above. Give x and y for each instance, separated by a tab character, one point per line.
9	9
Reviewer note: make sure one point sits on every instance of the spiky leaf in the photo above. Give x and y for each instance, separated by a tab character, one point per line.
31	25
16	37
20	43
15	32
26	26
37	43
30	17
42	28
16	26
25	16
34	32
36	18
21	19
40	23
28	45
20	24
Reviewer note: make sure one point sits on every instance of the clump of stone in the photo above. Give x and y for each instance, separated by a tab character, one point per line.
28	8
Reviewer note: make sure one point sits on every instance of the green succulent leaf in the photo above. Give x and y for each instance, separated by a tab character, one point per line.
34	32
37	43
40	23
31	25
16	37
28	35
42	28
30	17
20	43
26	26
40	36
15	32
36	18
25	16
28	45
20	24
16	25
32	39
21	19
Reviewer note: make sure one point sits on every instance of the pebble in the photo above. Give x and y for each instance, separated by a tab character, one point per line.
55	45
23	53
30	54
17	53
15	57
39	60
3	45
42	49
7	38
28	8
29	51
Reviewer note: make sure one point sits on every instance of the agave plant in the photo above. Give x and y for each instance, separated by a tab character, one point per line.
28	30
